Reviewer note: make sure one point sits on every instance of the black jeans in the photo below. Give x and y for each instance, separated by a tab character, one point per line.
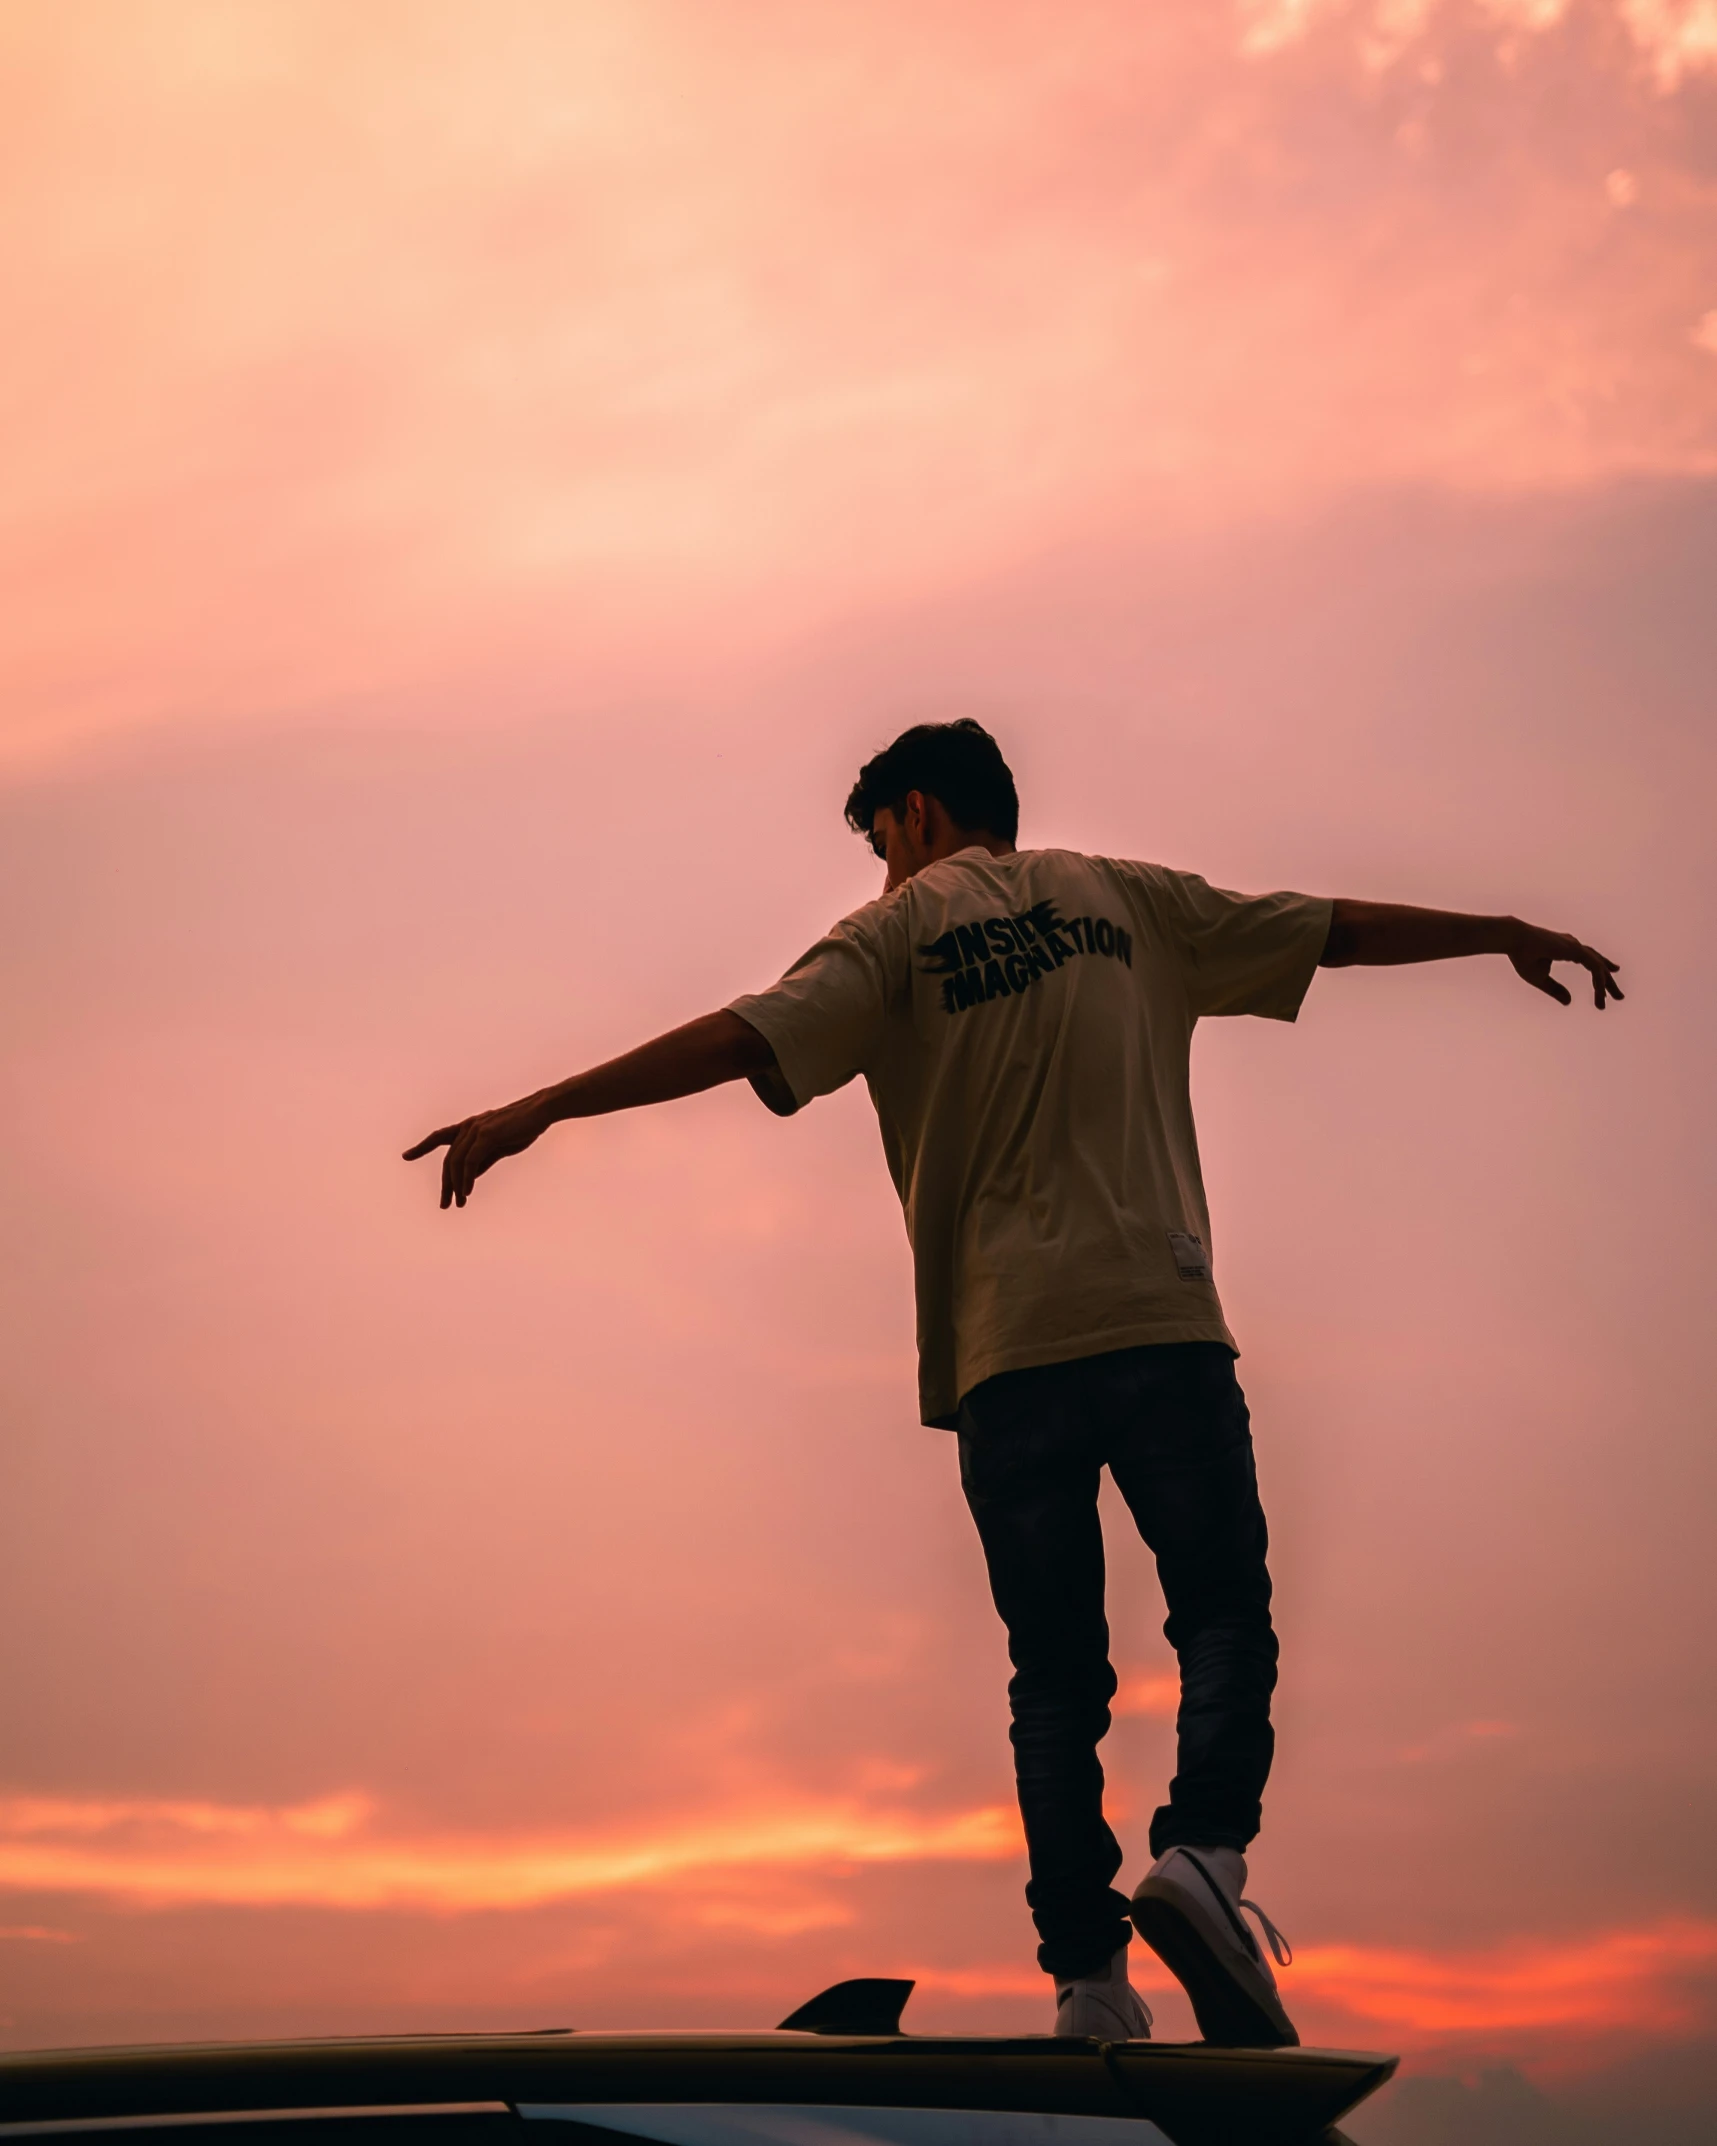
1170	1423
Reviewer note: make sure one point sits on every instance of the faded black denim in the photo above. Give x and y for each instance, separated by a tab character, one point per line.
1171	1426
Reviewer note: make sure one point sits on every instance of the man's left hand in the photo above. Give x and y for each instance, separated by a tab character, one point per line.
1536	949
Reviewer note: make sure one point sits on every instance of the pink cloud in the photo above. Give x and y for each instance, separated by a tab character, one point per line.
352	360
566	441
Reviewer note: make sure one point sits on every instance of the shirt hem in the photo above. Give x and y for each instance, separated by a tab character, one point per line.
940	1415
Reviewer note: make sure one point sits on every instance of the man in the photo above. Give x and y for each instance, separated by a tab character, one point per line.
1023	1019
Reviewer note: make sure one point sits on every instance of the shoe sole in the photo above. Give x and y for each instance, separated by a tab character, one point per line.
1227	2017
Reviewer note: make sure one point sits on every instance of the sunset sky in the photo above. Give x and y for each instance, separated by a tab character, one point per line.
478	481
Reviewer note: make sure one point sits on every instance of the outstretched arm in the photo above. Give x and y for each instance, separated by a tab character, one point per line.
1379	934
715	1048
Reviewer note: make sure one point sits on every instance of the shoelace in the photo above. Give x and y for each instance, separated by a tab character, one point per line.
1279	1946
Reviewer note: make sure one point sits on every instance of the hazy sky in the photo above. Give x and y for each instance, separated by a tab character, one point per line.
478	481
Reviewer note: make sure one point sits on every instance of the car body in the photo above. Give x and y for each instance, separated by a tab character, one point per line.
790	2086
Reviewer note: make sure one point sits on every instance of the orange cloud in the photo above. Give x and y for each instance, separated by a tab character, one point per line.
1457	1737
340	1852
992	1981
1153	1692
334	1853
1617	1980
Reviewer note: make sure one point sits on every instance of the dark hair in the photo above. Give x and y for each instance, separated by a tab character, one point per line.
959	764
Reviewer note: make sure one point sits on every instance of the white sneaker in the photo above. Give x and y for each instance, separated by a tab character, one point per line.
1188	1912
1104	2006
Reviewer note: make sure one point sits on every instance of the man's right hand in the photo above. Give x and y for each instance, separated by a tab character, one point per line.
475	1144
714	1048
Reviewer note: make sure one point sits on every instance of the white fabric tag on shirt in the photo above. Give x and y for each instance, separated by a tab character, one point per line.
1191	1260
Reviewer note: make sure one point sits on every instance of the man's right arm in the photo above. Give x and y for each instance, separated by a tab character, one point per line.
703	1054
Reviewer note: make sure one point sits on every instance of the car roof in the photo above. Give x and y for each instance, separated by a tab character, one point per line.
461	2085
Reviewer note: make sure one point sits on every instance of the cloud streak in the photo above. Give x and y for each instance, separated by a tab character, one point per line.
1649	1982
336	1853
340	1853
1634	1980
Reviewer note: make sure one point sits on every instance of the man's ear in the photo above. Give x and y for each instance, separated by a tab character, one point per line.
917	816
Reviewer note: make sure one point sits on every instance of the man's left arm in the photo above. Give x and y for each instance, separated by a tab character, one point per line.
1381	934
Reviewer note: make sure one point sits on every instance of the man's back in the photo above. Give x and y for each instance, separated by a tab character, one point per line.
1024	1024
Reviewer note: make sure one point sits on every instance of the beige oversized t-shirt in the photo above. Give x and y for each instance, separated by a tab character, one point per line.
1024	1025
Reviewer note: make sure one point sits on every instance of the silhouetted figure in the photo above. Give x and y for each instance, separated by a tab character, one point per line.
1023	1020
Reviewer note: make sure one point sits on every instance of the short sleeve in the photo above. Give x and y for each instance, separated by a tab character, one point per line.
1242	953
825	1019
